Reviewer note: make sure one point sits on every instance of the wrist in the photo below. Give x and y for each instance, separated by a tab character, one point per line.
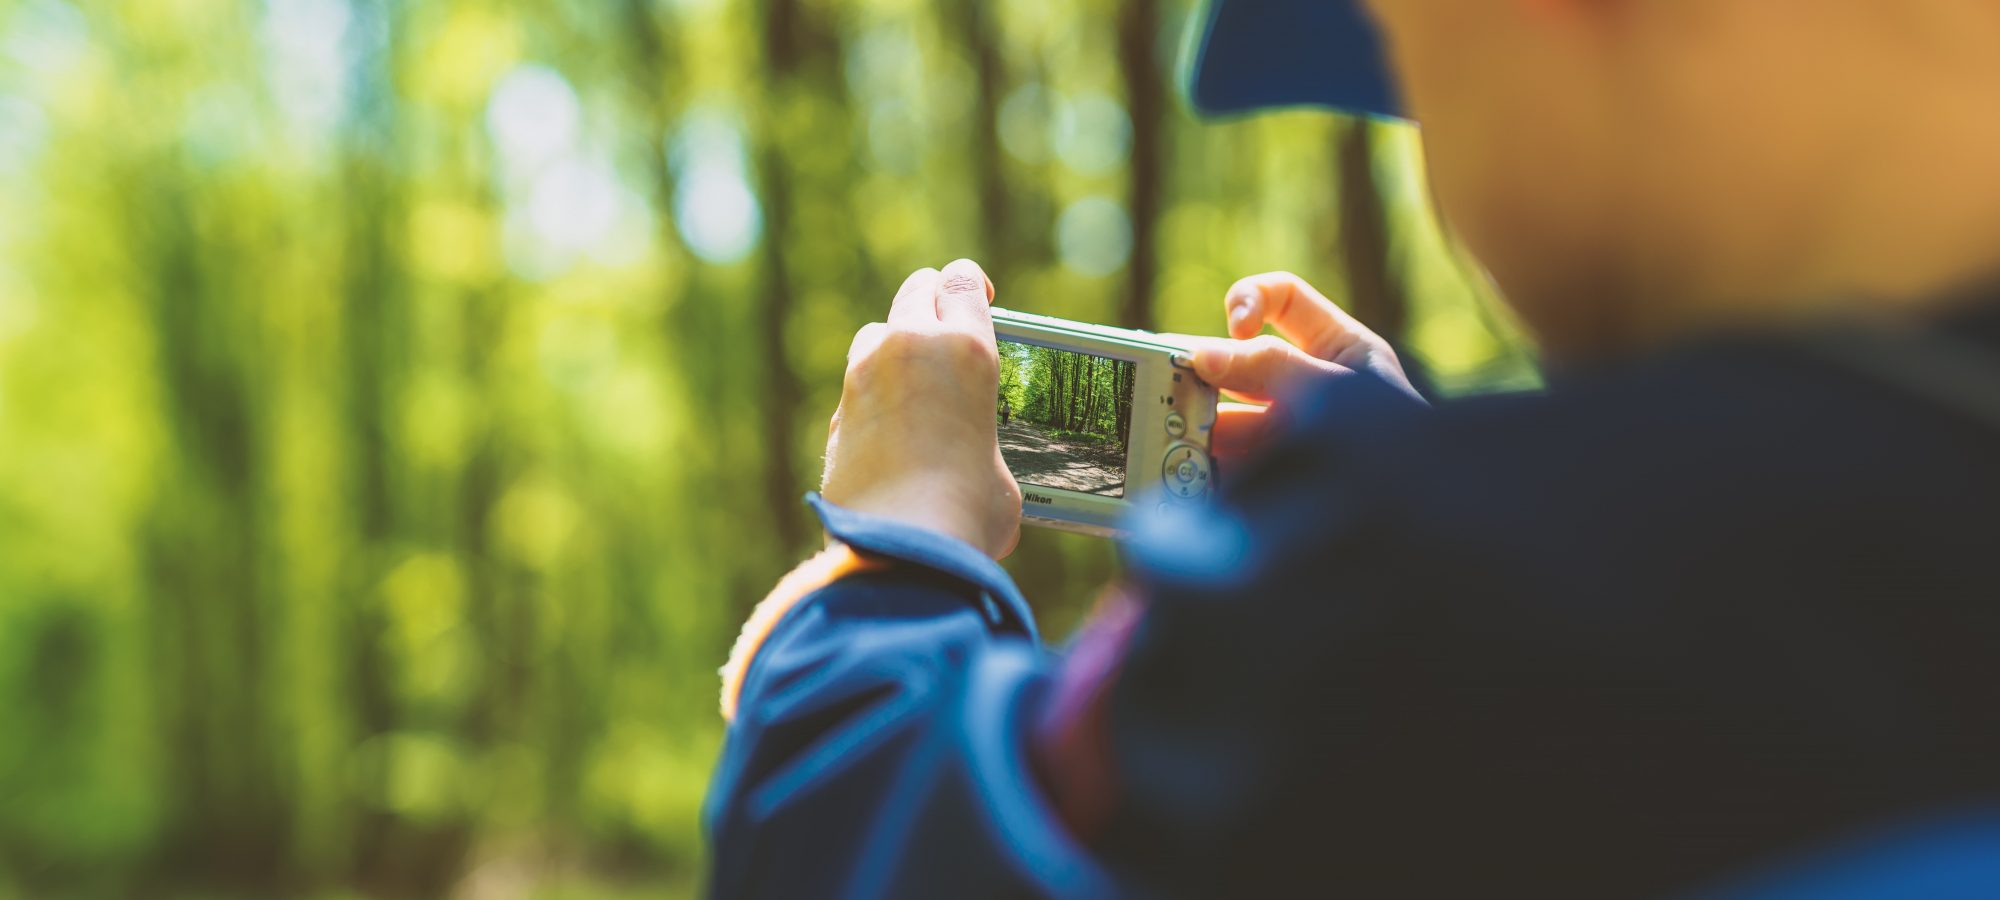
930	504
876	537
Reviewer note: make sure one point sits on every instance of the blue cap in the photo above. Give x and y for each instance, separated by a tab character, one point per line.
1257	54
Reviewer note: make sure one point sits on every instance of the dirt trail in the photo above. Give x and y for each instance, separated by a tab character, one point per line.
1038	459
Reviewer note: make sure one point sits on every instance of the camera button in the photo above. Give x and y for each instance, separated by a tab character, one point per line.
1176	425
1186	471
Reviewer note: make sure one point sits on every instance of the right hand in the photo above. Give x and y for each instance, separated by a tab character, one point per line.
1319	340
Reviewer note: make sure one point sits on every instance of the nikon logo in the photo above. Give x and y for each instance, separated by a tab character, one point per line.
1038	498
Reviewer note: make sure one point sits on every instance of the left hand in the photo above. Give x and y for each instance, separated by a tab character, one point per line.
914	438
1319	340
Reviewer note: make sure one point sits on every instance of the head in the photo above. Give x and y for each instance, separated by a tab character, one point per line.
1629	169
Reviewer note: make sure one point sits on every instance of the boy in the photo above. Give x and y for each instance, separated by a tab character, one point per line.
1726	593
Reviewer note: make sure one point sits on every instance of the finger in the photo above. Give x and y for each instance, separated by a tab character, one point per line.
1008	544
1241	428
1296	310
963	295
866	340
1260	368
916	303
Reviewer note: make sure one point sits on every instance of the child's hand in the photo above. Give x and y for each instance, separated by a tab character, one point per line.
1320	340
914	438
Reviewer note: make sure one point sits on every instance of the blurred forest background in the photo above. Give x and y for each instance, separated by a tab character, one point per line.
402	403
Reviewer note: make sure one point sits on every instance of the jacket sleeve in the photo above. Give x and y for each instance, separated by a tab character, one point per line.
879	744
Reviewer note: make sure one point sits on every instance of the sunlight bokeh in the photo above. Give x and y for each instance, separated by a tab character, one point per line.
404	403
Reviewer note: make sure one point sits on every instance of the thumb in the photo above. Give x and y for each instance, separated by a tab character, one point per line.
1260	368
963	294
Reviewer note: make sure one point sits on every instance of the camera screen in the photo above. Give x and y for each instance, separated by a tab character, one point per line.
1065	418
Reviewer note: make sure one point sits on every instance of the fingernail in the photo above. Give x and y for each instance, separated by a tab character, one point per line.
963	276
1240	310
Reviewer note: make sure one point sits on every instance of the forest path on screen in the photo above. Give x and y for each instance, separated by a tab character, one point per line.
1039	459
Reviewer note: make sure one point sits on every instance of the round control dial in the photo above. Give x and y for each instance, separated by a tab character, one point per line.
1186	471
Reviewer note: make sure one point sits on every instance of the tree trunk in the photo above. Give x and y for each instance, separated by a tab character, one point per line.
1053	418
1146	98
996	252
1125	386
1090	400
801	53
1374	292
1069	408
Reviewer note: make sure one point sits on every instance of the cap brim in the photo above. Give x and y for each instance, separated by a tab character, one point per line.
1259	54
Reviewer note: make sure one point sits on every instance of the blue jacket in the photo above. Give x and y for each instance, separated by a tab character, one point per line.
1637	636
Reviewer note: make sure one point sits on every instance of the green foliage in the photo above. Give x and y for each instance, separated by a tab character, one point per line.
401	404
1068	393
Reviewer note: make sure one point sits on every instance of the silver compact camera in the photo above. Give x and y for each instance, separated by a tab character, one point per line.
1095	420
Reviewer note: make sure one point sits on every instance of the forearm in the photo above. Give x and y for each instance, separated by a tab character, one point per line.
883	700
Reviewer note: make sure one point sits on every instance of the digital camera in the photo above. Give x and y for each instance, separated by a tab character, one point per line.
1095	420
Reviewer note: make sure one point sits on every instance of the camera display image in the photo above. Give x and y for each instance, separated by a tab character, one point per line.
1065	418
